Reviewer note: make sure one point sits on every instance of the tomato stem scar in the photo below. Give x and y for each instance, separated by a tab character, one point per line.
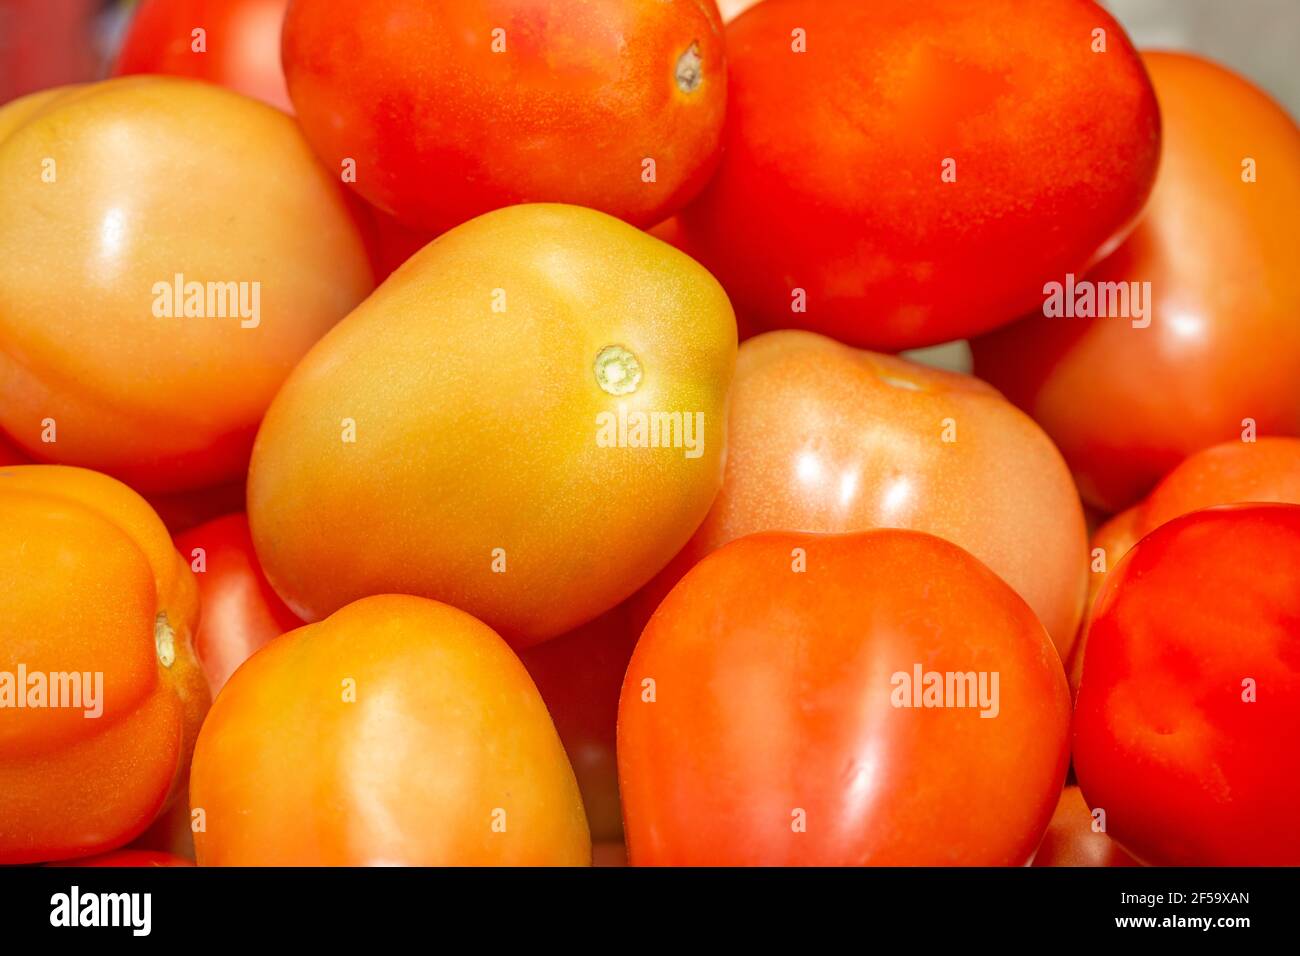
617	370
690	69
164	639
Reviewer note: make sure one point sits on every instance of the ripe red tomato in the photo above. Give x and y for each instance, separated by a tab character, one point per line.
241	612
1187	723
1076	837
579	675
844	121
452	109
762	720
823	437
240	44
1126	404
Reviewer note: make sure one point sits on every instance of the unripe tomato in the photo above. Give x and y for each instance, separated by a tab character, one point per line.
240	44
478	431
905	172
823	437
1218	350
769	714
138	181
1187	720
398	731
92	587
452	108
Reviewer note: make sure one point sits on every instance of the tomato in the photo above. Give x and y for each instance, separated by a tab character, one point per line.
184	510
131	858
478	431
240	44
830	210
1187	722
1127	403
156	178
579	676
102	696
451	109
1076	837
398	731
1234	472
44	44
762	720
9	455
241	612
823	437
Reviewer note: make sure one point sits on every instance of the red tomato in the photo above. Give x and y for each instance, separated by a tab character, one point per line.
9	455
1267	470
44	44
1187	724
823	437
843	121
1126	404
240	611
452	109
1077	837
184	510
129	858
761	719
240	44
579	675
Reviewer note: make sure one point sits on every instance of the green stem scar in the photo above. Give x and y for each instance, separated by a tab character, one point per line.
617	370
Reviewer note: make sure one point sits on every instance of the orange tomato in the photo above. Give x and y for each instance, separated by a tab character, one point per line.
98	604
1235	472
398	731
1076	837
767	717
1126	404
241	613
479	430
450	109
897	173
579	676
823	437
140	180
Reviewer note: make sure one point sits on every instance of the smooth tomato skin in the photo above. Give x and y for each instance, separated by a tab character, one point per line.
10	455
241	611
444	125
242	45
130	858
166	404
1187	769
1234	472
446	730
1071	839
1127	404
579	676
483	478
772	692
831	177
93	584
823	437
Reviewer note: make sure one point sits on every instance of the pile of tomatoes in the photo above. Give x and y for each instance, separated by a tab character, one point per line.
382	481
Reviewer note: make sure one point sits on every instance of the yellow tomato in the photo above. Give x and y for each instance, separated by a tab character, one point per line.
399	731
482	430
115	195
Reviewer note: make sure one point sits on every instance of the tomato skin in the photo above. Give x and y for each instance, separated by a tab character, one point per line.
144	206
1188	771
445	728
130	858
824	437
579	676
772	692
94	585
831	177
242	45
1071	840
241	611
1234	472
1217	352
575	80
445	518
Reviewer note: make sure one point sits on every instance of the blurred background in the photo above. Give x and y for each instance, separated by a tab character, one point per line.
44	43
